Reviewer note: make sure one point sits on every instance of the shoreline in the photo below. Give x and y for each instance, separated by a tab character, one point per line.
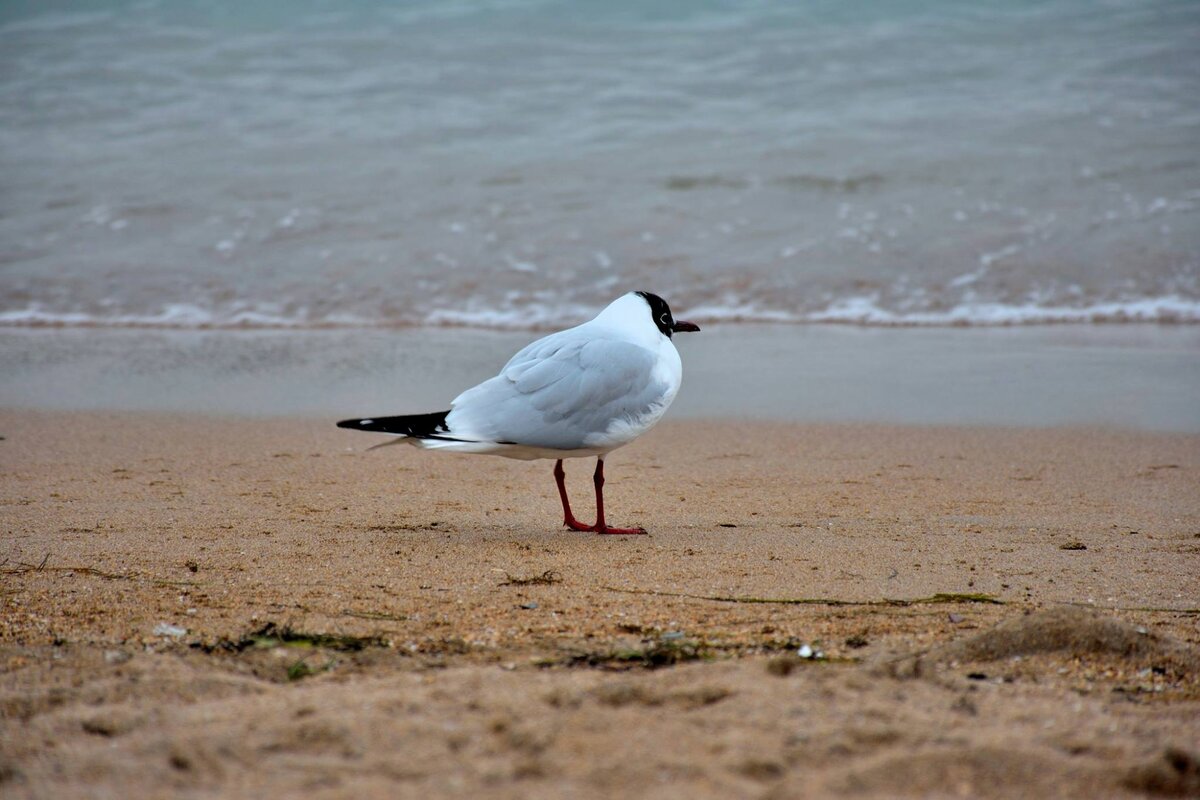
1168	310
1138	377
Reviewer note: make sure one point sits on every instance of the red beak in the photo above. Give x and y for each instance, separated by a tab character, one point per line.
683	326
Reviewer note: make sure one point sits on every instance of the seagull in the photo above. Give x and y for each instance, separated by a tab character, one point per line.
577	393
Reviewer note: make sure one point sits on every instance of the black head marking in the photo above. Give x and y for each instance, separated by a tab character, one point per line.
660	312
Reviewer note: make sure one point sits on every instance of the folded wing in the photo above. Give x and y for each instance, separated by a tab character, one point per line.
566	393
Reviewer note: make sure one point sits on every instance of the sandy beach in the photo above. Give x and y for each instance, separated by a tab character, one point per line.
923	518
224	606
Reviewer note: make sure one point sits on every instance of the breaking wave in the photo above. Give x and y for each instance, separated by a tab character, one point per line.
860	310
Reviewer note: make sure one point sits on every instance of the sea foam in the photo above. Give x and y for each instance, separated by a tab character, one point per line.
858	310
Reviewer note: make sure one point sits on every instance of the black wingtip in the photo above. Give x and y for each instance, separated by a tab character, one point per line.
416	425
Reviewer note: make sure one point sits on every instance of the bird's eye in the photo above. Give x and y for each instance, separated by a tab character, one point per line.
665	320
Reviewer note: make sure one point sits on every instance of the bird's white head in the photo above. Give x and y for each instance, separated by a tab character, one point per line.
635	308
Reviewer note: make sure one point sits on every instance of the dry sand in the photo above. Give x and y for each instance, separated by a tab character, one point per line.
228	607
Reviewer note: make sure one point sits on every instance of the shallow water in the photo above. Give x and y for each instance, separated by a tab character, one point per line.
520	163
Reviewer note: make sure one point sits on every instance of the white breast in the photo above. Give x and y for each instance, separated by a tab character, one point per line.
666	376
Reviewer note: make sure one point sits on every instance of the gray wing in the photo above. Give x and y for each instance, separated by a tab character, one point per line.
562	392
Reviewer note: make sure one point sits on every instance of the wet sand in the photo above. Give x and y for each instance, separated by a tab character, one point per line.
232	607
1144	377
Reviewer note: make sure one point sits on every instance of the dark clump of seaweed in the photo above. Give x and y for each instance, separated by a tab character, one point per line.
651	654
272	635
661	654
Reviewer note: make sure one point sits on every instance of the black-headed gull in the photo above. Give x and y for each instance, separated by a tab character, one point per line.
580	392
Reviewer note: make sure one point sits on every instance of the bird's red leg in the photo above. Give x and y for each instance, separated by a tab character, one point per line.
568	518
600	527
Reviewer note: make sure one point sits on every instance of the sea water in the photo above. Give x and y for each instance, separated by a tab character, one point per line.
518	163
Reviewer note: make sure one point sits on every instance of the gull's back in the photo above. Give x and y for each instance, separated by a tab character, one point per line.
586	390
